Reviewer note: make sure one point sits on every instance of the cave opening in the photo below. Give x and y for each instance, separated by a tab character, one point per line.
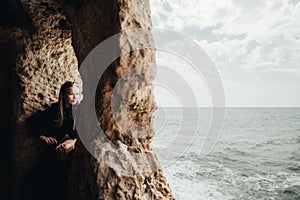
40	52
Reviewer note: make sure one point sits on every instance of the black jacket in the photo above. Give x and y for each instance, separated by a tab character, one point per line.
45	123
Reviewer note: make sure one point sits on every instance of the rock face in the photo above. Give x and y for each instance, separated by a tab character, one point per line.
45	46
42	59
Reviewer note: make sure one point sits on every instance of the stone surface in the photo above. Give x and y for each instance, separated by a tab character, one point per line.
46	47
44	58
124	166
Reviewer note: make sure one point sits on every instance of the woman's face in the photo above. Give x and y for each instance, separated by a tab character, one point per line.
72	96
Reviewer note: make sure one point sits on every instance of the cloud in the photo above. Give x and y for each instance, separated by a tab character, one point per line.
256	18
181	14
252	43
263	22
186	75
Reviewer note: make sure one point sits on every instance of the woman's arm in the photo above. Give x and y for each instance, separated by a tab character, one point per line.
41	124
48	140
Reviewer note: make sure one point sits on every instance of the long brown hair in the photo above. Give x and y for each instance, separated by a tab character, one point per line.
61	101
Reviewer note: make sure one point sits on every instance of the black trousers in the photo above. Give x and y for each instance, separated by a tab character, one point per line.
48	178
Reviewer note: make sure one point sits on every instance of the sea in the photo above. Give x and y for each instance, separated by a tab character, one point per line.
229	153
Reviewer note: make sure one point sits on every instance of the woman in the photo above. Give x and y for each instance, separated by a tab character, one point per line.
56	128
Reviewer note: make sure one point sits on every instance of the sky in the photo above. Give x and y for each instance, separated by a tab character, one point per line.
254	45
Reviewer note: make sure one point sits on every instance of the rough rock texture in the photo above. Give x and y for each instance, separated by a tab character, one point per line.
125	166
42	58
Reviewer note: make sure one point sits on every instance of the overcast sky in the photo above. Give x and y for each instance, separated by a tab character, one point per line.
255	46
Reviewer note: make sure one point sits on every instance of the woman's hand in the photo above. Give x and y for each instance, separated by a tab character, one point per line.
67	146
48	140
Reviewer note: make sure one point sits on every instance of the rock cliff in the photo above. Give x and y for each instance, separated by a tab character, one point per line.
42	50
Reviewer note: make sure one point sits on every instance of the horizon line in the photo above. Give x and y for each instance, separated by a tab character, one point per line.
233	107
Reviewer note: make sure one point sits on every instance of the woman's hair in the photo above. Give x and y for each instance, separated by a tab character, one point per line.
61	101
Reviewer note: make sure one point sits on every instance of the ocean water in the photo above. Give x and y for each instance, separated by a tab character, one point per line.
255	154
